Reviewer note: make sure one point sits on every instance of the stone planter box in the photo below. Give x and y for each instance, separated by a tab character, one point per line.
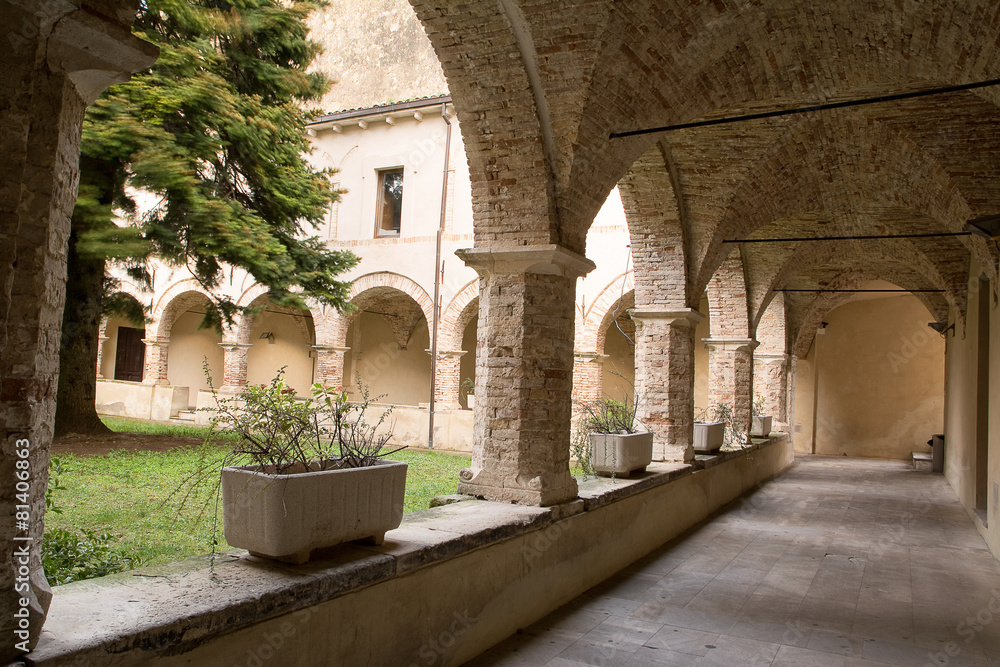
620	454
709	436
470	400
285	517
761	426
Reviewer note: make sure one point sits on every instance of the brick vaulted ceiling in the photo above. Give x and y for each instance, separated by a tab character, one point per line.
540	85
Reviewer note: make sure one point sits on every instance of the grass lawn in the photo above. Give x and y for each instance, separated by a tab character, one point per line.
131	494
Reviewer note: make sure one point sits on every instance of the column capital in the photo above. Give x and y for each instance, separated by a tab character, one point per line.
594	357
235	346
331	348
157	342
549	259
770	358
731	344
680	317
448	353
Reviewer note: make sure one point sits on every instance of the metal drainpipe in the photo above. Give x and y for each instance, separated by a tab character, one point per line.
438	275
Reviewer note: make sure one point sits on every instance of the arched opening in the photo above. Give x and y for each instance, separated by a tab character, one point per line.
388	343
702	331
618	380
874	378
467	365
281	338
192	345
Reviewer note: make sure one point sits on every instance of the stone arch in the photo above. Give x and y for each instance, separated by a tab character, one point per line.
888	179
456	317
591	323
727	300
369	286
803	331
659	242
245	321
172	303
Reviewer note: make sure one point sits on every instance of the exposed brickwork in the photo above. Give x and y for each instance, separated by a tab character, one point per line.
448	380
457	315
770	382
234	366
154	370
664	379
330	365
730	364
588	378
524	375
380	293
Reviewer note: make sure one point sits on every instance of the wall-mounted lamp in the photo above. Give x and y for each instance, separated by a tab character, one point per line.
941	327
987	227
268	336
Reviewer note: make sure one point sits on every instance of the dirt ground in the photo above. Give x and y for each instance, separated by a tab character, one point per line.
85	445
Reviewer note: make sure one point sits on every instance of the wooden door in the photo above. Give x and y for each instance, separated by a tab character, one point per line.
130	354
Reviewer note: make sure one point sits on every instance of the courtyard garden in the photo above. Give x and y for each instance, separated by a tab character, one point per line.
131	503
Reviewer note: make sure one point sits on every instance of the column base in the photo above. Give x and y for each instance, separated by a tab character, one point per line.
537	491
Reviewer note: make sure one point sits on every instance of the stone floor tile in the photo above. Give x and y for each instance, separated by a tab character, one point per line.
730	651
846	562
833	642
683	640
792	656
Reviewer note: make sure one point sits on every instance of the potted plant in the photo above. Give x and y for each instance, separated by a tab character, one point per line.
305	474
617	447
710	429
761	427
469	387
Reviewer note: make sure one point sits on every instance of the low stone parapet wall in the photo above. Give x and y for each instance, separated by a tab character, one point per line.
448	584
141	401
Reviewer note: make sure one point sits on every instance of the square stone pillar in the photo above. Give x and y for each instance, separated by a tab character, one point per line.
234	366
730	371
330	365
524	374
770	381
102	338
448	382
154	369
664	378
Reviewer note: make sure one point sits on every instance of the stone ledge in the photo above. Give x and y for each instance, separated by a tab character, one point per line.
173	609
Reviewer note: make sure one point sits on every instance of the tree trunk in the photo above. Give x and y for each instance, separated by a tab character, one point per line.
75	408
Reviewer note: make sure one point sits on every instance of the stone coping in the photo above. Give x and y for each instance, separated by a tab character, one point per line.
173	608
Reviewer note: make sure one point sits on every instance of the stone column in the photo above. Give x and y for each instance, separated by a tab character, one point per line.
101	340
730	369
524	374
234	366
57	59
770	381
330	365
449	380
664	378
154	369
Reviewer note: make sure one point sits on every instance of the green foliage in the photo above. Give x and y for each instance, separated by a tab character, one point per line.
723	412
74	555
69	556
469	386
281	433
125	493
610	416
214	134
758	405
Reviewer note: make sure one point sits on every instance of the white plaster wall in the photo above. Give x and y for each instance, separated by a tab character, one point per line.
189	346
960	412
290	349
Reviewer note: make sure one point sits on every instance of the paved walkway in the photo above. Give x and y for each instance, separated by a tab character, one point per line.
838	562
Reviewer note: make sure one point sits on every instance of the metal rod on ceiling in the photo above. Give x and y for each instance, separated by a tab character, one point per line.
848	238
815	107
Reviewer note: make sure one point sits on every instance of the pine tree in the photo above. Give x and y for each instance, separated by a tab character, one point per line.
215	131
